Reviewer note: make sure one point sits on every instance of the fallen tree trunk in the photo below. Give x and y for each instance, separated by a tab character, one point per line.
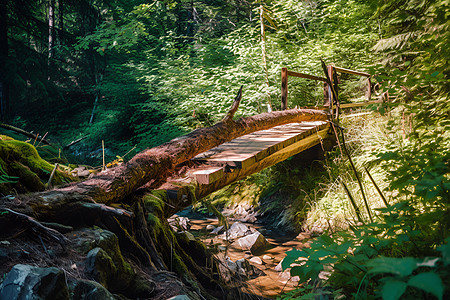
157	163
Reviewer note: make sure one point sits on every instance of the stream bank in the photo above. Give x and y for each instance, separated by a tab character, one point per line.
250	264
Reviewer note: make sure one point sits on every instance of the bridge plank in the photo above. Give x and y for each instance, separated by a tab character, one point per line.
245	151
179	187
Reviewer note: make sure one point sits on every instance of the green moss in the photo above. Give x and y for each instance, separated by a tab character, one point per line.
178	265
28	178
154	202
22	160
153	222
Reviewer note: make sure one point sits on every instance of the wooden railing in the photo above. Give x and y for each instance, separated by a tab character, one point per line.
329	102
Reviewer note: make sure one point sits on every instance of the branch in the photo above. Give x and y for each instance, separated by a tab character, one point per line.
234	107
38	227
25	133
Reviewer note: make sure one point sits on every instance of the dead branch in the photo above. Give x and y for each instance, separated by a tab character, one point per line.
25	133
234	106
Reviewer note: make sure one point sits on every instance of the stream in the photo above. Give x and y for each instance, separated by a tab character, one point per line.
270	283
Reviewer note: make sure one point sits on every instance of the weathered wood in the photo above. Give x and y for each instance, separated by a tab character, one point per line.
359	73
25	133
208	175
350	105
183	191
301	75
284	88
234	106
251	148
157	163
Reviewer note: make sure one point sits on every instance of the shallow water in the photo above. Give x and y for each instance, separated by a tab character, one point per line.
273	282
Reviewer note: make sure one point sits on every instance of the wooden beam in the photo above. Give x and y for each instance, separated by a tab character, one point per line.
209	175
307	76
350	105
342	70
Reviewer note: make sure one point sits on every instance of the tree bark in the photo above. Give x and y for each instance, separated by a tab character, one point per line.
51	29
4	94
158	163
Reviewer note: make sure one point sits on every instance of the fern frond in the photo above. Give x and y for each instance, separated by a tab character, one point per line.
398	41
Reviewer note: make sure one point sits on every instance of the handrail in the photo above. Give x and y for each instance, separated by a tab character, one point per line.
348	71
284	83
307	76
329	102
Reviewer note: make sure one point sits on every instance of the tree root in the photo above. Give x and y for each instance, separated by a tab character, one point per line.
37	227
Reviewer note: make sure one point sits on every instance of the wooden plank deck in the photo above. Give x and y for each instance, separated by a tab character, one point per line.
245	151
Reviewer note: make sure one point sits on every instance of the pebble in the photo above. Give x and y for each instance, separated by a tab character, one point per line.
256	260
266	257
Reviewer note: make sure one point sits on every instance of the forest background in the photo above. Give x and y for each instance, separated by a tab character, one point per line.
135	74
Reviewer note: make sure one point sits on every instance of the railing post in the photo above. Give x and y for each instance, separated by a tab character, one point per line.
326	93
369	93
284	88
330	86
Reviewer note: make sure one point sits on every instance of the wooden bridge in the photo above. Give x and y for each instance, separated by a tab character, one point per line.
252	152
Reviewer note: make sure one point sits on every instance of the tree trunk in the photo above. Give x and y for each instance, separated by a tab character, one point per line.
158	163
4	95
51	33
60	20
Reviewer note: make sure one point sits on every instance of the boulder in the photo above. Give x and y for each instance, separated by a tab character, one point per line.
100	267
253	242
179	297
105	264
236	230
250	270
91	290
29	282
279	268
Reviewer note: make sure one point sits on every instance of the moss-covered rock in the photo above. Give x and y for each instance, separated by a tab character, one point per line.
24	170
106	265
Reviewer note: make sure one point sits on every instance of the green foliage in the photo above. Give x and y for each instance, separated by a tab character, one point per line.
397	256
356	259
5	178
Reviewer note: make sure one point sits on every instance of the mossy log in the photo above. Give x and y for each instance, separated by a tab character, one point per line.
24	170
156	164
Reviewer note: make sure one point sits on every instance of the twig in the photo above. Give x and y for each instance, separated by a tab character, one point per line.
74	142
352	200
337	138
38	227
49	183
23	132
377	188
103	152
37	135
234	106
42	139
357	176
